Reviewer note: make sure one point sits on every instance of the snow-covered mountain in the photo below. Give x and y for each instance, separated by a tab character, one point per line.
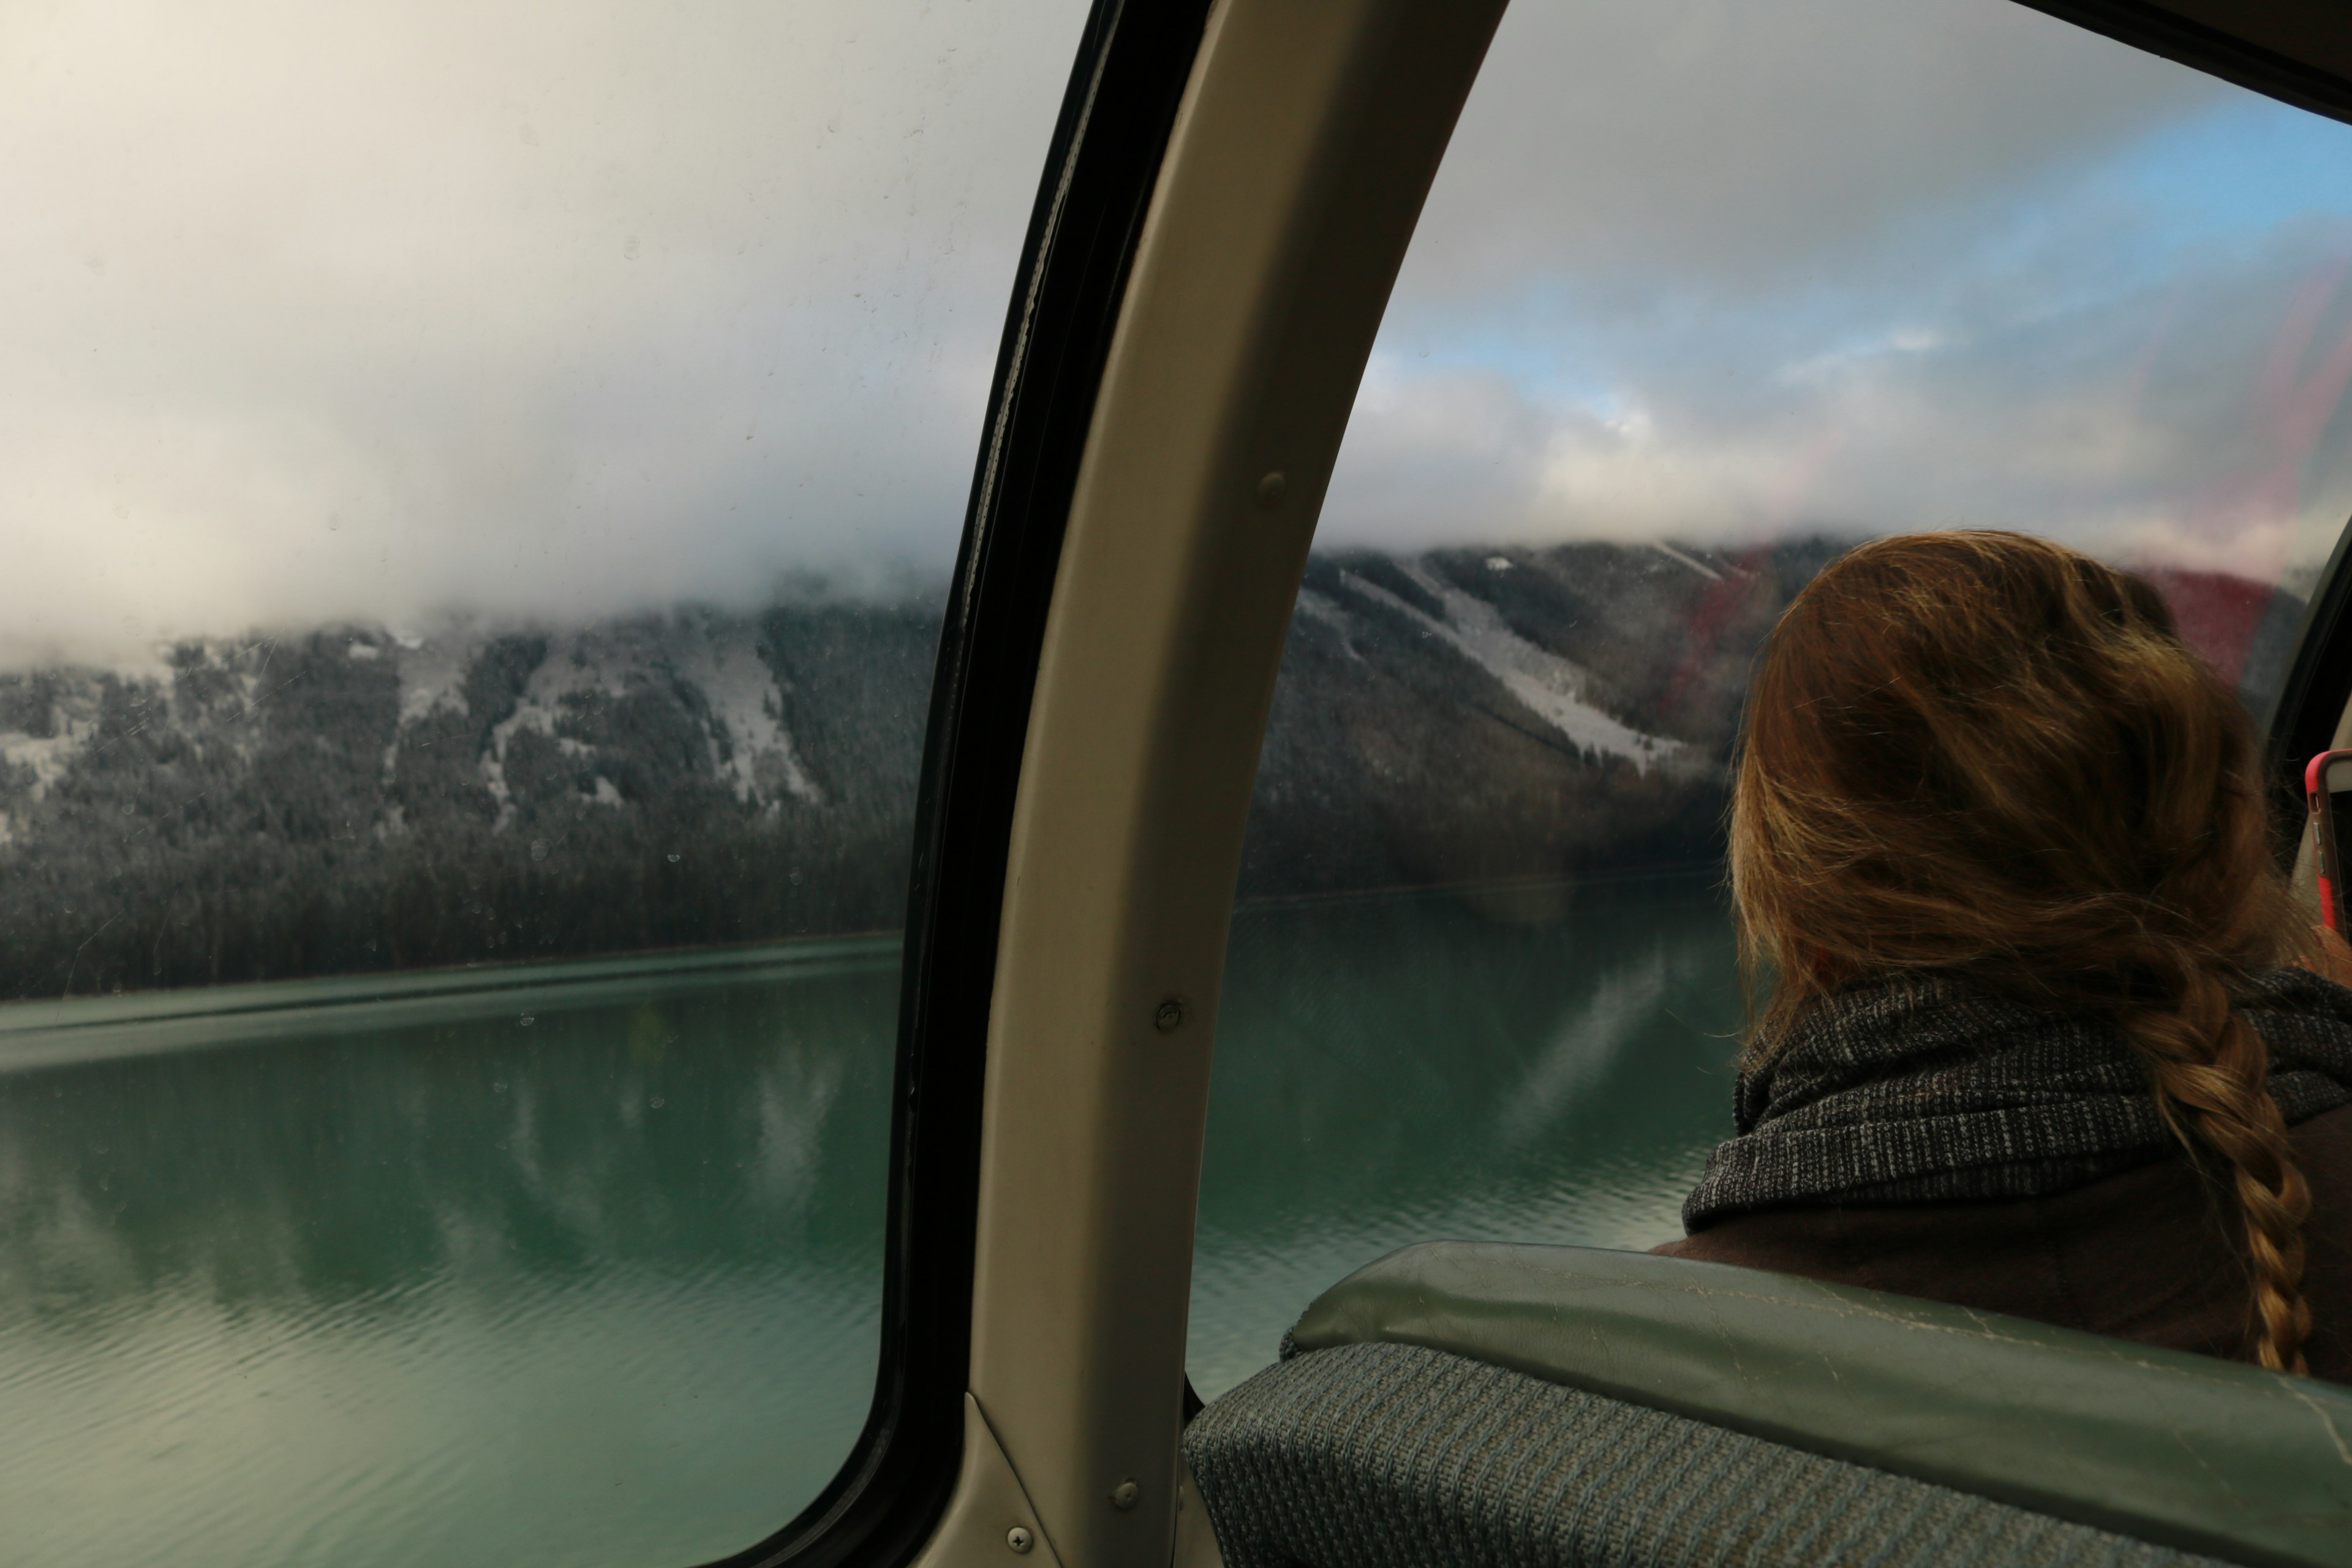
357	797
350	798
1501	716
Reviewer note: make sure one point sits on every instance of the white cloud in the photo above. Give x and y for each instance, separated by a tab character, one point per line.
322	311
1741	143
2046	423
1720	273
495	305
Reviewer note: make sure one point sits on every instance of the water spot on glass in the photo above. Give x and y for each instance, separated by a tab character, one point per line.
539	848
629	251
334	520
527	1020
796	877
501	1087
673	859
1498	563
658	1102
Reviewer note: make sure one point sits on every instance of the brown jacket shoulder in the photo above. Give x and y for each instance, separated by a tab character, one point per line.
2148	1254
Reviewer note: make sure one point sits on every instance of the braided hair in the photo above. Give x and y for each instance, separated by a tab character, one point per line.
1985	754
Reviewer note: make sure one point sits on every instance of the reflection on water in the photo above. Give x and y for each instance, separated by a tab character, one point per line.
1405	1068
579	1264
580	1269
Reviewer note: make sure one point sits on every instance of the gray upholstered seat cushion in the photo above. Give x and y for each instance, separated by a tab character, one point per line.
2200	1454
1364	1455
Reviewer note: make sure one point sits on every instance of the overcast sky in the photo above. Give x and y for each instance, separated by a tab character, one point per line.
1712	271
374	312
352	310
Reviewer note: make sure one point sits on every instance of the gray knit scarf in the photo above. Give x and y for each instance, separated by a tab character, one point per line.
1923	1090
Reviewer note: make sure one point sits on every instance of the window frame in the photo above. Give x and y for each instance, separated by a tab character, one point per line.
2312	704
2270	47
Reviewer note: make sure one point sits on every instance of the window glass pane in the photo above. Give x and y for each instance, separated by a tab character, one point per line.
1703	293
479	485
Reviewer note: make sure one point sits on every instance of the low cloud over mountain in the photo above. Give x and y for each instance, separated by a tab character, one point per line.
356	798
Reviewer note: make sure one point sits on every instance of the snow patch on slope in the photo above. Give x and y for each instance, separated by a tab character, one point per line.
718	657
73	720
1322	607
1693	562
48	756
433	671
569	669
750	747
1551	688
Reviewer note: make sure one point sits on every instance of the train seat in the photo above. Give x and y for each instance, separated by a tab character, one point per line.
1485	1404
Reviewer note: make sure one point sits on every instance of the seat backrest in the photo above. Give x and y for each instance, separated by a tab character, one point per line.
2126	1442
1394	1454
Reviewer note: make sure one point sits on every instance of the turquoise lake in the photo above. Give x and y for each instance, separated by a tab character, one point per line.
579	1264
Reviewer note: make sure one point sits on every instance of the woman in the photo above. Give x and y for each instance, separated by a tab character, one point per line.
2035	1042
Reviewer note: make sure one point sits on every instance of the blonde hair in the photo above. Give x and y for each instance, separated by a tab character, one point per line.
1986	754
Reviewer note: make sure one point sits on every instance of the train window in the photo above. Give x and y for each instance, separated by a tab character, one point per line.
1701	292
480	486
